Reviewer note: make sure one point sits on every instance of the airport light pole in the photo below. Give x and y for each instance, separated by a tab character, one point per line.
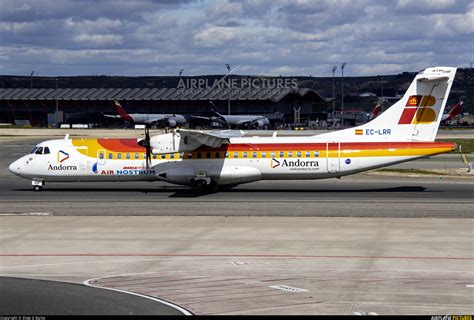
31	79
56	115
342	94
333	95
181	72
381	102
228	99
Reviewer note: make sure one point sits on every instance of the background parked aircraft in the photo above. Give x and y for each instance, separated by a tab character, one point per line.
169	120
236	120
453	112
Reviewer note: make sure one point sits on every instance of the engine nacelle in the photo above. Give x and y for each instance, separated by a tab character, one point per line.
220	175
172	123
171	143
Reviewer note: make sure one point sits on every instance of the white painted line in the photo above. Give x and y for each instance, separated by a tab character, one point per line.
27	214
469	285
238	263
184	311
288	288
357	313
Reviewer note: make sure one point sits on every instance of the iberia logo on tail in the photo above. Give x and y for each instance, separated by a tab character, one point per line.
418	111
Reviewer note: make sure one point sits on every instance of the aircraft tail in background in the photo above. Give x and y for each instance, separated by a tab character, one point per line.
122	113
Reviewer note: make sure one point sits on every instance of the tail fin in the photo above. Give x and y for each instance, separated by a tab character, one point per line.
214	109
121	111
375	113
455	110
219	116
415	117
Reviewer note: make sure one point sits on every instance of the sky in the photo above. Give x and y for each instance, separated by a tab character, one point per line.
259	37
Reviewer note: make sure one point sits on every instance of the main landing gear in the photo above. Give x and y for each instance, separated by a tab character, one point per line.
37	185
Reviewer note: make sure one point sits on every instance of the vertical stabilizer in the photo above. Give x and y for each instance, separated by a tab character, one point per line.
415	117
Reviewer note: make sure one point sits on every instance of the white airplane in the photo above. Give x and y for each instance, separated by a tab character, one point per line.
212	159
147	118
238	120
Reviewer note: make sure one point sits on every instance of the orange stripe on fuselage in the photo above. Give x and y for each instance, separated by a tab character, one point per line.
332	146
121	145
130	145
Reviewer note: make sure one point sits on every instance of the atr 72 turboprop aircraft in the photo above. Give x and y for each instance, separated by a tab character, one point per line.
208	160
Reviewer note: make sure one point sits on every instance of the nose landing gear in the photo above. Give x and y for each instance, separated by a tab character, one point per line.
37	185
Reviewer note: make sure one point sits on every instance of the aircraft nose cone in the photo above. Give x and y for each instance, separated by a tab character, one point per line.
14	167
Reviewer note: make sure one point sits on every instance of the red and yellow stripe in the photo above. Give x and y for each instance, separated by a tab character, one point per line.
331	150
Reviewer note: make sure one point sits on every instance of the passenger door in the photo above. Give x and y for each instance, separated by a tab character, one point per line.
333	155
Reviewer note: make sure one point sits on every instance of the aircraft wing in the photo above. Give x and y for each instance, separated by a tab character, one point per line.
110	116
201	117
251	121
213	139
184	140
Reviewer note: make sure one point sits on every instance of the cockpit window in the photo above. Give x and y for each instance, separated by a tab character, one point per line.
39	150
33	150
46	150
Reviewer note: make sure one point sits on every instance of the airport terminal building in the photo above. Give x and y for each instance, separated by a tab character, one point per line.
38	106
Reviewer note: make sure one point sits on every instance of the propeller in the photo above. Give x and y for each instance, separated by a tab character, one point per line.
146	144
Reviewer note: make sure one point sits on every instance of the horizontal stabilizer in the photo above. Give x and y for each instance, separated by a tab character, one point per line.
433	78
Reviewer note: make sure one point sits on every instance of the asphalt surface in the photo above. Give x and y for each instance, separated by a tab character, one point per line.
40	297
255	265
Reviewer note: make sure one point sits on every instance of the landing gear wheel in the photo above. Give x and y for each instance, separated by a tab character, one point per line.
37	188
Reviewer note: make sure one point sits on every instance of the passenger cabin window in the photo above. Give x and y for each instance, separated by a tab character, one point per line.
46	150
282	154
154	156
264	154
39	150
218	155
127	155
308	154
226	154
163	156
290	154
172	156
245	154
316	153
101	155
136	156
190	155
272	154
198	155
254	154
298	154
119	156
208	155
236	154
181	155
